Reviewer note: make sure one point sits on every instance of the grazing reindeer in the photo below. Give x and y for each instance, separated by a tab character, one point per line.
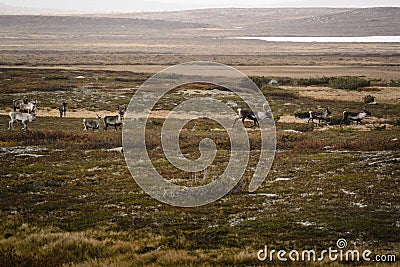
63	109
24	118
94	124
319	115
353	116
17	103
256	118
115	120
28	108
262	115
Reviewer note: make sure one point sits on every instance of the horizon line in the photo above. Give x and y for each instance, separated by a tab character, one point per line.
76	11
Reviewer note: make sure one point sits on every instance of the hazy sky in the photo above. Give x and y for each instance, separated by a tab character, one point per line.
160	5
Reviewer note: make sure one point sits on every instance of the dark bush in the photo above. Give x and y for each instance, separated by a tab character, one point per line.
260	80
394	83
285	81
56	77
369	99
350	83
302	114
334	120
395	122
313	81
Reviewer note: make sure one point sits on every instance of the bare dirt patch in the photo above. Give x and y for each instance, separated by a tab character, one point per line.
291	119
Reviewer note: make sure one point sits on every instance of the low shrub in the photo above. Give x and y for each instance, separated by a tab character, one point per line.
369	99
394	83
395	122
285	81
313	81
334	120
309	145
302	114
56	77
350	83
260	80
306	127
369	144
279	94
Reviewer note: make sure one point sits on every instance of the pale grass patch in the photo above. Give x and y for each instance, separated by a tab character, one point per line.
54	249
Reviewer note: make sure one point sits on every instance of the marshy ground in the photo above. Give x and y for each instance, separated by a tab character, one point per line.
67	198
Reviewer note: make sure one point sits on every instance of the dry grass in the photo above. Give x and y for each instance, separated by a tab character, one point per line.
66	200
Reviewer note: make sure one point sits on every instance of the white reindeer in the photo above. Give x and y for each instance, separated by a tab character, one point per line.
319	115
24	118
30	107
94	124
353	116
255	117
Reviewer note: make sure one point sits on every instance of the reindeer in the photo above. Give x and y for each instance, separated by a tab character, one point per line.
319	115
63	109
353	116
17	103
255	117
28	108
24	118
94	124
115	120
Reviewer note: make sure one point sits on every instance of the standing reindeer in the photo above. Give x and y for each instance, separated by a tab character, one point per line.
17	103
255	117
319	115
63	109
30	107
24	118
94	124
353	116
115	120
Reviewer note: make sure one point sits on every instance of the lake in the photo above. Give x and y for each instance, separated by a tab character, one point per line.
328	39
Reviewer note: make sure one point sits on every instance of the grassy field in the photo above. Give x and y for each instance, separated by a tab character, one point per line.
67	197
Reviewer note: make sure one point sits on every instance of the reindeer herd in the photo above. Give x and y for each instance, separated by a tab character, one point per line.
26	113
114	121
347	116
313	115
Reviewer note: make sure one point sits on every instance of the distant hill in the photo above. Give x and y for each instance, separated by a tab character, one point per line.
361	22
14	10
210	23
291	21
83	26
